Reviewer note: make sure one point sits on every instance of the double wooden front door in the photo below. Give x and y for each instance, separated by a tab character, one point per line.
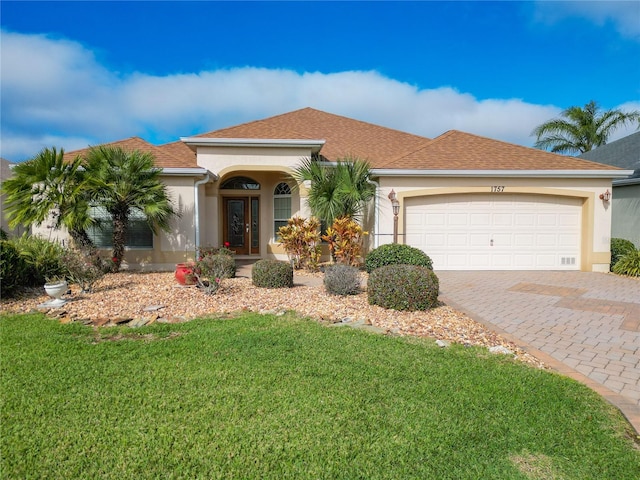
241	224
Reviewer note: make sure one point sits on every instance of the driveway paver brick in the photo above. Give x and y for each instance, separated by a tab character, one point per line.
584	324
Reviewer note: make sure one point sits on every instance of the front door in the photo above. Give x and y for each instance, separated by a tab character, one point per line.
241	224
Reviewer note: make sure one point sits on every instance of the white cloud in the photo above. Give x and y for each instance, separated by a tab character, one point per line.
625	14
55	92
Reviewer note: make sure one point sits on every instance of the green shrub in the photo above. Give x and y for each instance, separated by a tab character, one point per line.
629	264
403	287
210	270
619	248
84	267
43	259
268	273
341	279
396	254
12	268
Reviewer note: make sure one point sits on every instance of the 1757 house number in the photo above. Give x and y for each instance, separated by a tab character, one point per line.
497	188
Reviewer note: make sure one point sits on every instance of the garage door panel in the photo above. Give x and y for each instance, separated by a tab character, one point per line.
457	239
506	232
480	261
524	240
547	220
480	219
525	219
460	219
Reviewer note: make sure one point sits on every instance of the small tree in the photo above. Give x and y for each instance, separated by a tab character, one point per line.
48	188
126	181
337	190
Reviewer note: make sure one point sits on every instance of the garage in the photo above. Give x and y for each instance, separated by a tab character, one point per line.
496	231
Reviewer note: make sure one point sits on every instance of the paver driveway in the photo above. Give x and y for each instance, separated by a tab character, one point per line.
586	324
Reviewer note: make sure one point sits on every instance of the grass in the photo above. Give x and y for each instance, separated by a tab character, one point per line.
282	397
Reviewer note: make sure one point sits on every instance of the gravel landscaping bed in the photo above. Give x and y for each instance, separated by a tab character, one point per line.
144	298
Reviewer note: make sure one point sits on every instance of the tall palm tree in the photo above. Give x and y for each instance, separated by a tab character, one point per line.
125	182
46	187
337	190
582	129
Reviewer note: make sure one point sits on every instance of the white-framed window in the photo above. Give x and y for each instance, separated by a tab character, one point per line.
281	207
139	234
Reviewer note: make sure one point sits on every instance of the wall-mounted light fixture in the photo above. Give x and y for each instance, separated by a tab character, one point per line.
606	196
395	204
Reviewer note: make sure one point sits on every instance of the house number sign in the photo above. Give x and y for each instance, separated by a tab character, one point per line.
497	188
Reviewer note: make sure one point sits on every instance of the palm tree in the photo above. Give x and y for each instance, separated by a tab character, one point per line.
47	187
337	190
582	129
125	182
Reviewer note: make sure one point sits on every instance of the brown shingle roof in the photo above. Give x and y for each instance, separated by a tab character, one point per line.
455	150
344	136
164	157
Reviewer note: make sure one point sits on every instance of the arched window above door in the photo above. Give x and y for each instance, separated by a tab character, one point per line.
240	183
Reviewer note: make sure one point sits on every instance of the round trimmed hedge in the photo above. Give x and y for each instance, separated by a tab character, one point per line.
396	254
340	279
269	273
403	287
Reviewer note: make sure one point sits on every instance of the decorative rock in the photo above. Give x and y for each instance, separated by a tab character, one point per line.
100	322
500	349
119	320
152	308
442	343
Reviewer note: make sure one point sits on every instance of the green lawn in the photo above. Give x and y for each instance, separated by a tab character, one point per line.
281	397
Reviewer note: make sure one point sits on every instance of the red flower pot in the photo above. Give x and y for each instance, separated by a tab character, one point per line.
184	274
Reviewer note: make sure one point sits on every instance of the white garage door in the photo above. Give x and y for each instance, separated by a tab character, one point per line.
496	231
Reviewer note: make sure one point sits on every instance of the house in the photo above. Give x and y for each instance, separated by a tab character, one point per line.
468	201
625	198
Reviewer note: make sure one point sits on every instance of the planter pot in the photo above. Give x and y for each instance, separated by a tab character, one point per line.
55	290
184	274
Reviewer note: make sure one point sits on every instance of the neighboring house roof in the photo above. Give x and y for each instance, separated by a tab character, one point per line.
343	136
164	156
623	153
455	150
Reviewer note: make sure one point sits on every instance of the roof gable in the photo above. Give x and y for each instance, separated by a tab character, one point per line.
343	136
165	157
455	150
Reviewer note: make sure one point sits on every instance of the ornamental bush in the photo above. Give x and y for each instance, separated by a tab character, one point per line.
268	273
628	264
345	238
342	279
403	287
12	268
210	270
619	248
300	238
396	254
42	258
83	267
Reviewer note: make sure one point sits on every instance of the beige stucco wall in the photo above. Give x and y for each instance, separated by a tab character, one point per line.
169	248
221	160
266	165
596	216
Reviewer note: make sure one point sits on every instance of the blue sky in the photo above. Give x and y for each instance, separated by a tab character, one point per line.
81	73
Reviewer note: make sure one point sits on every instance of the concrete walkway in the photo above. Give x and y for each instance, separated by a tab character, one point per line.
582	324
